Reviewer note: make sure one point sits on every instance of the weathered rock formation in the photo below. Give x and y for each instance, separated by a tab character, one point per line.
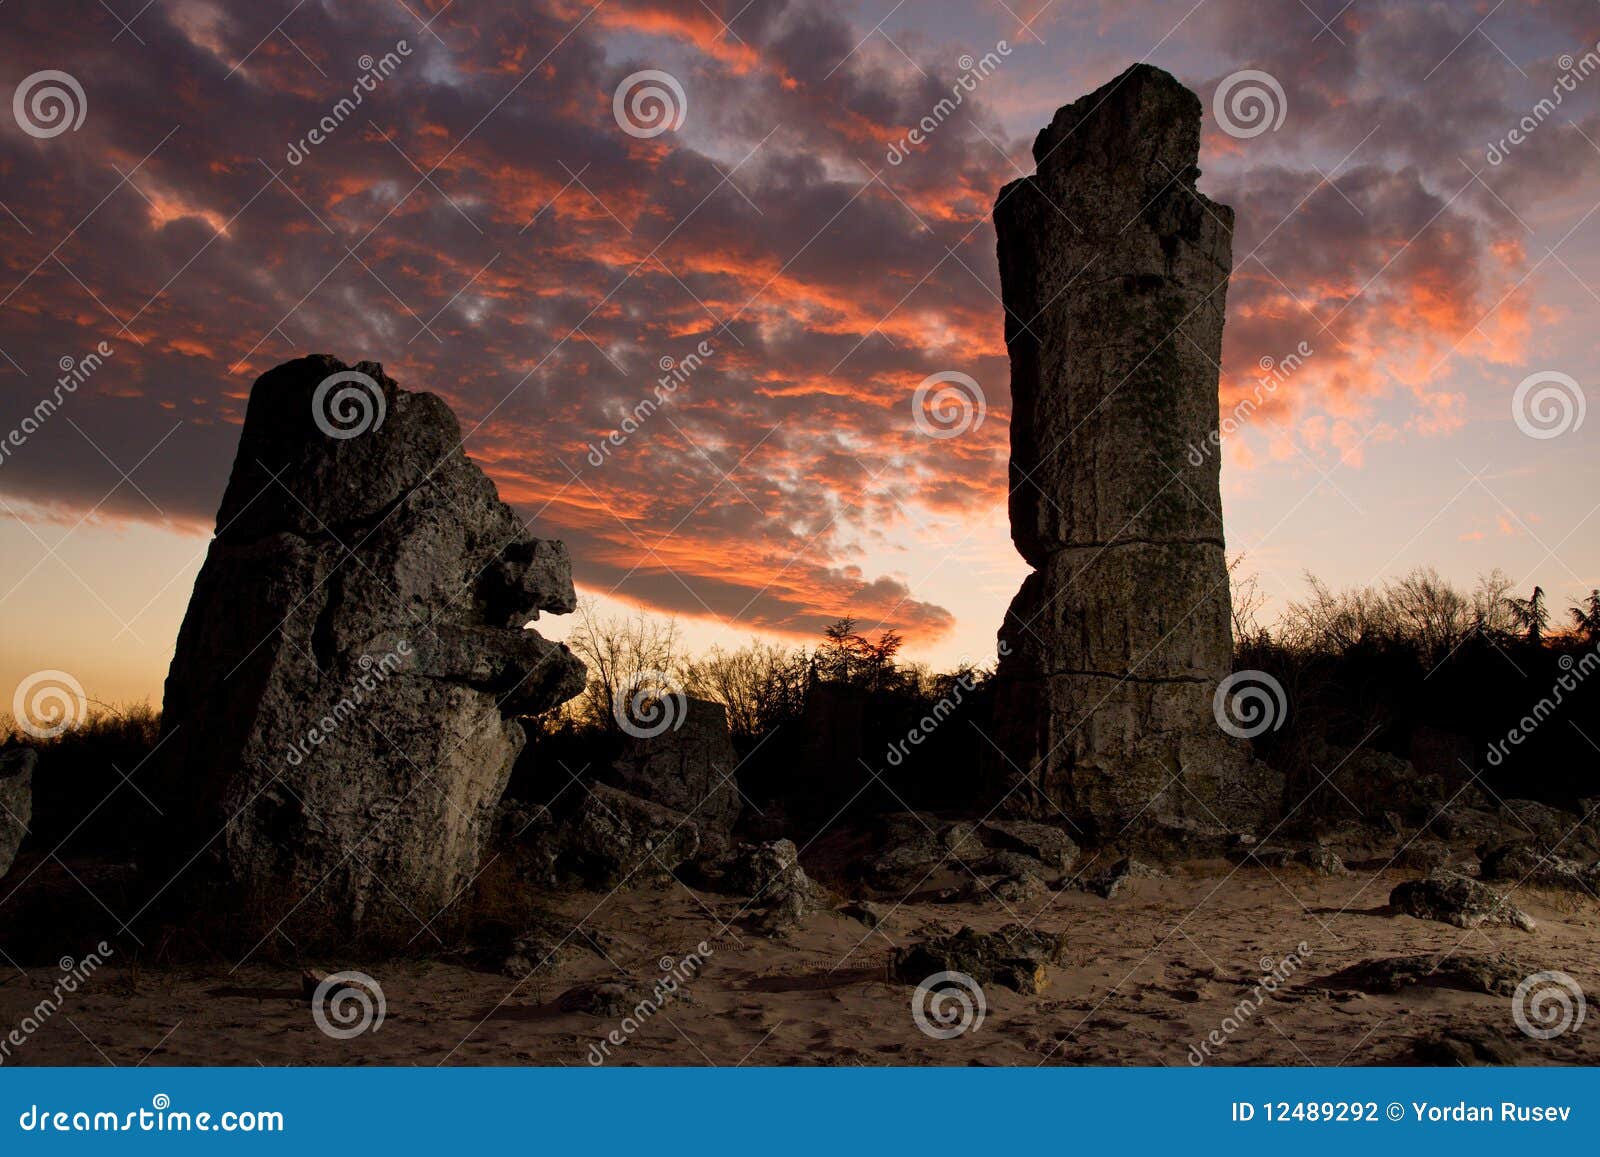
1114	270
16	801
688	768
339	721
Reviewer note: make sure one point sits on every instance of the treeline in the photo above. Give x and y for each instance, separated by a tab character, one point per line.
1481	682
1485	688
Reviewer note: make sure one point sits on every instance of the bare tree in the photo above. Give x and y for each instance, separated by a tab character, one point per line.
1248	601
621	654
1491	609
1429	611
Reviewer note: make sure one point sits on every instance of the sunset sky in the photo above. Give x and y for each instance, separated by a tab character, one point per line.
484	227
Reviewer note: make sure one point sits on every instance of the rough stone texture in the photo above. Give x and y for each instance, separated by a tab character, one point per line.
339	715
1319	858
1459	900
16	801
1014	957
1497	975
1114	271
921	845
1108	883
1365	782
1521	863
1552	829
777	888
607	839
689	768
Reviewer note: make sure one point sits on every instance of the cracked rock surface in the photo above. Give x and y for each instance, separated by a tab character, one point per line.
1114	270
339	717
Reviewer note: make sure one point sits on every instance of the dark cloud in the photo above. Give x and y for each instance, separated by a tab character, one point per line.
482	226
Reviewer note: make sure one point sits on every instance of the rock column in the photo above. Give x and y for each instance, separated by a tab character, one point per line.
1114	271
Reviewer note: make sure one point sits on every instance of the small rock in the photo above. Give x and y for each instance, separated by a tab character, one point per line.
609	839
1013	957
1520	863
865	911
1108	883
1461	1048
1497	975
1049	845
1459	900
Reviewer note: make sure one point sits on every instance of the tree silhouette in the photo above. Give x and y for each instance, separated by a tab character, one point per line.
1586	616
1532	616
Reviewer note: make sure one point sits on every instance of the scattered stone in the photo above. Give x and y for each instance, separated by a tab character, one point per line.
1461	824
1109	882
609	839
1103	690
995	848
1549	828
1521	863
609	998
543	948
339	720
1049	845
1461	1047
312	979
1320	859
1013	957
1169	837
1023	888
1455	899
1365	782
1424	855
1497	975
865	911
771	877
688	768
16	800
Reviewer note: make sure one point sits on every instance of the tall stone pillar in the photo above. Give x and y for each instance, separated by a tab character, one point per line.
1114	271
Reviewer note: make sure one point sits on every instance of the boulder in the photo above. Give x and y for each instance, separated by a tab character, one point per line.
1013	957
923	845
16	800
340	713
689	767
1459	900
1113	271
1520	862
1497	975
1108	883
778	889
1365	783
606	839
1551	829
1047	844
1322	860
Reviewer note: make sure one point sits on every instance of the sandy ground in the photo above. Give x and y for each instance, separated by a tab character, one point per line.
1149	974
